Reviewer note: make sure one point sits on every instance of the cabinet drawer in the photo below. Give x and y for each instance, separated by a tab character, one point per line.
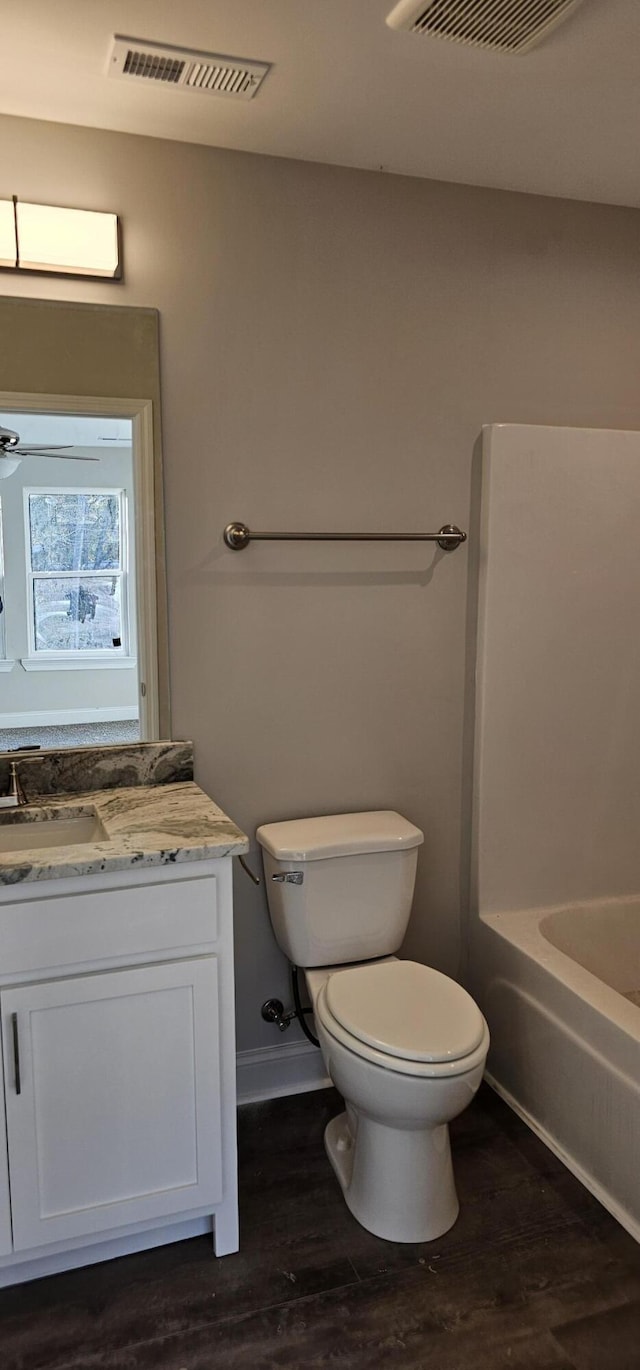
109	923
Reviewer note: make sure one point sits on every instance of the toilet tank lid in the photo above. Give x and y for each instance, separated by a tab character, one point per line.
338	834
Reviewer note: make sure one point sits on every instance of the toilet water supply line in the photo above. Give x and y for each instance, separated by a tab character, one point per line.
300	1011
273	1009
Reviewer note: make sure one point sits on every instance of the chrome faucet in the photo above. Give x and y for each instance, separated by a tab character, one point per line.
15	790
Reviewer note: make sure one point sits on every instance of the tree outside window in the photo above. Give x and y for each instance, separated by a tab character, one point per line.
77	570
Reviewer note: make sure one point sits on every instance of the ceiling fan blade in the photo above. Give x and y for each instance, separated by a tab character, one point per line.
27	448
40	453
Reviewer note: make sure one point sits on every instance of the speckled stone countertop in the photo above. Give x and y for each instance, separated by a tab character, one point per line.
146	825
158	824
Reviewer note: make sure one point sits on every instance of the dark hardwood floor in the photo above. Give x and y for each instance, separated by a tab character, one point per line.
535	1275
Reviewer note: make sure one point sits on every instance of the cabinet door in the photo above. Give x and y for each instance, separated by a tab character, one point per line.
115	1115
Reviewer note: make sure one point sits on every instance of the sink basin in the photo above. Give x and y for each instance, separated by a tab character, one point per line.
16	835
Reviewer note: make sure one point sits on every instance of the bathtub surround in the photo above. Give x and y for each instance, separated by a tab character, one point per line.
331	343
555	922
558	744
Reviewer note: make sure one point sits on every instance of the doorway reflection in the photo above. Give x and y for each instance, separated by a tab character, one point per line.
68	641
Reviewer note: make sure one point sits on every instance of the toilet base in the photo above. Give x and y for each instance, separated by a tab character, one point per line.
397	1182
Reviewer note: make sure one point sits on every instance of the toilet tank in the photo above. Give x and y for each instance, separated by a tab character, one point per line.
340	887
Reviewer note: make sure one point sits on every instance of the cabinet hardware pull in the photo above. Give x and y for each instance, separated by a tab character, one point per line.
16	1053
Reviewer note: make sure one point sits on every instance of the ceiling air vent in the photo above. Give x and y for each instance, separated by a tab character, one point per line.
504	25
208	73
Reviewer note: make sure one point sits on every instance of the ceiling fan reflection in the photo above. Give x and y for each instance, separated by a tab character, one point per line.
12	451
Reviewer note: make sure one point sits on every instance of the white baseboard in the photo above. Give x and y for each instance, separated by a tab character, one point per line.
288	1068
57	718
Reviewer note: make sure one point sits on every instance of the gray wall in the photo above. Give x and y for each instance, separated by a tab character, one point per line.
332	341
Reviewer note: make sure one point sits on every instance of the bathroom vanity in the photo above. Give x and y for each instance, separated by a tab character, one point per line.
118	1041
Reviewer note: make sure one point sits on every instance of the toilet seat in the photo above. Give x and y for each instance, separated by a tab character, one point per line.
416	1069
406	1009
470	1041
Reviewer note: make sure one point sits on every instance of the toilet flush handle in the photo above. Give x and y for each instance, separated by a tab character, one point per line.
289	878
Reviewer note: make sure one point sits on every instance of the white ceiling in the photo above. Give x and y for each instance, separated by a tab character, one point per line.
561	120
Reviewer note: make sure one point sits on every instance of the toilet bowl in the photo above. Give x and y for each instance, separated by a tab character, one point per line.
406	1048
403	1044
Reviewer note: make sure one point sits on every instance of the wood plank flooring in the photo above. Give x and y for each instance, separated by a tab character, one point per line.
535	1275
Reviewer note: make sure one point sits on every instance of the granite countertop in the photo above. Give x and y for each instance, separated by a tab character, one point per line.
145	825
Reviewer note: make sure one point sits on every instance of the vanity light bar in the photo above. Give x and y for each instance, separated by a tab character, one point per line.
59	242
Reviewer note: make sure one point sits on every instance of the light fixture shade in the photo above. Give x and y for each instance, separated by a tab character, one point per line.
8	465
8	249
78	242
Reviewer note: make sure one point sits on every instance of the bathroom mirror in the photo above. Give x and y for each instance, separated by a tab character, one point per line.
83	655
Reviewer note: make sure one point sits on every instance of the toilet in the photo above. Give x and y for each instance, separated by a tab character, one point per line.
404	1045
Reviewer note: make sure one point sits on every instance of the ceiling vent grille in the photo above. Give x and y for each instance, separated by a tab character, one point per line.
504	25
208	73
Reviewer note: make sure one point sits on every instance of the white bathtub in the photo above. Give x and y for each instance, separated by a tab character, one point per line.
557	987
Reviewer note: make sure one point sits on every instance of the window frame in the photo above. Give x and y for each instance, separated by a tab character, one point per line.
39	658
6	663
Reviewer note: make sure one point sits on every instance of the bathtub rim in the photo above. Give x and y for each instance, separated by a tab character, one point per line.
522	929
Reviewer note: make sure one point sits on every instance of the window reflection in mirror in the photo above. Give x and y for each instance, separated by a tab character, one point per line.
69	660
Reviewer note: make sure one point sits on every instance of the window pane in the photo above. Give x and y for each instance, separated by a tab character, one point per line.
74	532
3	639
72	614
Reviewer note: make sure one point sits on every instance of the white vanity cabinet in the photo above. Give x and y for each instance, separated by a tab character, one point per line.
116	1001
